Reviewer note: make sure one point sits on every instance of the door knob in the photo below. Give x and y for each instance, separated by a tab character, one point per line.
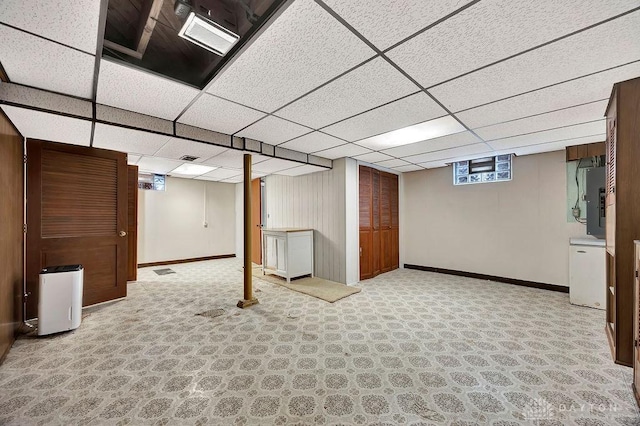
122	233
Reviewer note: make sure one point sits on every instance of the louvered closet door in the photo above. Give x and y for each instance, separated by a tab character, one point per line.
77	214
365	225
385	222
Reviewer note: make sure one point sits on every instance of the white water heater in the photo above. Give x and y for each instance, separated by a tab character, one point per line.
60	299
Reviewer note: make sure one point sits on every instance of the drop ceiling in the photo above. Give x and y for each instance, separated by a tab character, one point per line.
339	78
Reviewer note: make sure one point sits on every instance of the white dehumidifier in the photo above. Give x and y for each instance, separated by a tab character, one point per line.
60	299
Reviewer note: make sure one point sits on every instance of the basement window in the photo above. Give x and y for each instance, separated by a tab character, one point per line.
151	181
483	170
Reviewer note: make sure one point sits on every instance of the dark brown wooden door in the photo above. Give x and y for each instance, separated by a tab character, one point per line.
256	221
77	214
132	223
366	221
379	222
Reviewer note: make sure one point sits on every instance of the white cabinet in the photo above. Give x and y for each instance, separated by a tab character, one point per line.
287	252
587	280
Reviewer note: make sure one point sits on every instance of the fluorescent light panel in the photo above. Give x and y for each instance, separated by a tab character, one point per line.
411	134
208	35
192	169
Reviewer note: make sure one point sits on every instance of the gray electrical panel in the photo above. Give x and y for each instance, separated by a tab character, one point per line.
596	197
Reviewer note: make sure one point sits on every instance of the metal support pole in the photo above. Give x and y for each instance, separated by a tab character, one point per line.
248	266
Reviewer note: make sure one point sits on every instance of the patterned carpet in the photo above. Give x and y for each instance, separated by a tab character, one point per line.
413	348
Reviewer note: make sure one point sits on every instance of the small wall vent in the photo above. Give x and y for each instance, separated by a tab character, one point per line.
188	158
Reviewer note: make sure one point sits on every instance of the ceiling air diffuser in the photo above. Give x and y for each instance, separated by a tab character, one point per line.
208	34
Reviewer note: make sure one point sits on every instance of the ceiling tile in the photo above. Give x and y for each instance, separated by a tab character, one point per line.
273	130
49	127
407	17
304	48
557	146
176	148
565	117
418	132
135	90
220	174
132	159
235	179
392	163
274	165
444	142
452	154
127	140
408	168
233	159
575	92
312	142
434	164
346	150
212	113
404	112
36	62
373	157
492	30
587	52
157	165
368	86
301	170
74	23
570	132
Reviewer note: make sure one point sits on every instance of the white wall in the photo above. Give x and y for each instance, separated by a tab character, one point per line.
514	229
314	201
171	222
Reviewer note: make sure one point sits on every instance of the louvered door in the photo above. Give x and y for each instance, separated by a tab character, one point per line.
77	214
379	222
610	212
365	225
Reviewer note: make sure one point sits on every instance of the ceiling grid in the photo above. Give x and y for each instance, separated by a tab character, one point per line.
334	78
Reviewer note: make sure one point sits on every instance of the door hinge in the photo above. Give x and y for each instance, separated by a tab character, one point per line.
635	343
636	274
24	228
24	159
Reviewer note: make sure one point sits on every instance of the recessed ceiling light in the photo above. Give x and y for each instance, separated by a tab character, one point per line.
208	35
418	132
192	169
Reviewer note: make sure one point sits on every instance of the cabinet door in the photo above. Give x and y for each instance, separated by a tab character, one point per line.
281	256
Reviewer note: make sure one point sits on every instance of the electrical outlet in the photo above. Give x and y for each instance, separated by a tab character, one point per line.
576	212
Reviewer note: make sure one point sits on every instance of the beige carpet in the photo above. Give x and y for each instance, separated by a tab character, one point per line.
313	286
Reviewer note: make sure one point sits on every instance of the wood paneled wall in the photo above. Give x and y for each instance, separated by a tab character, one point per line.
11	235
313	201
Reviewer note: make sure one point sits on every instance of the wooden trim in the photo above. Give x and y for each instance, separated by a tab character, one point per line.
523	283
193	259
148	16
118	48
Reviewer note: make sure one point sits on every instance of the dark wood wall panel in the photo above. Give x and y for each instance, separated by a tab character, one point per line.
132	223
379	222
11	235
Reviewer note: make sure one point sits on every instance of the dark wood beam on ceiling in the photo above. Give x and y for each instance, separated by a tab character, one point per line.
148	17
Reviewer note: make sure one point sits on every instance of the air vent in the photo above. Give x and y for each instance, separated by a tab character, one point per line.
188	158
208	34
